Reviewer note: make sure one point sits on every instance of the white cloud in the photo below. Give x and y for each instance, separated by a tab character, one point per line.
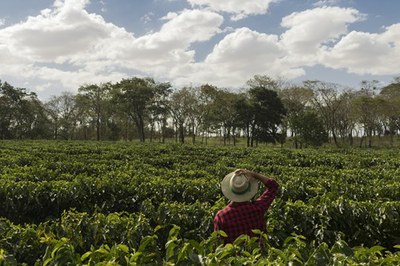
59	44
65	46
147	17
238	57
367	53
83	48
309	30
70	4
245	48
191	26
12	64
58	35
2	21
392	35
326	3
170	45
239	8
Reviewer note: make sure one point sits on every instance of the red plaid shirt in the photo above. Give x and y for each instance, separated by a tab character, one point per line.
239	218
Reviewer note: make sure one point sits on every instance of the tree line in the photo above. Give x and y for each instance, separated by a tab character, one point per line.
267	111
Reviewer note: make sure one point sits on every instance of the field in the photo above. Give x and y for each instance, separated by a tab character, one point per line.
117	203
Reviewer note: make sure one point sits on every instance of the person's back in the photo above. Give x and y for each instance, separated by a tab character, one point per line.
241	215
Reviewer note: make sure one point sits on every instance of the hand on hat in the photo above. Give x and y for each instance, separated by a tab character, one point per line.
246	173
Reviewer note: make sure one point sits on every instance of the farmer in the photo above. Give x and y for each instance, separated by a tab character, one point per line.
242	214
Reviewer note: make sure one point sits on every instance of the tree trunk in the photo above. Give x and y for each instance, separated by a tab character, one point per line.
193	134
335	138
248	135
151	131
181	133
163	129
234	136
370	139
140	127
98	128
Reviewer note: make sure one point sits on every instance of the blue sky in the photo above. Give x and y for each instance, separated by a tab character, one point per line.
51	46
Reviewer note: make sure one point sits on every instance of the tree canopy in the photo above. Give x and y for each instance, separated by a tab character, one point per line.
267	111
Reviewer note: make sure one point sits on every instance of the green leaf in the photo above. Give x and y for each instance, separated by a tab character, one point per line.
241	239
123	248
174	232
136	256
170	248
47	261
145	242
103	250
225	251
222	233
86	255
280	253
377	249
158	227
183	252
257	231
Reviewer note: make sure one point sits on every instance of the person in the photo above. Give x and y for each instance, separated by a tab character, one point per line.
242	215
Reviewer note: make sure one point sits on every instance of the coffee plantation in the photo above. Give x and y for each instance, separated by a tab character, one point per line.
121	203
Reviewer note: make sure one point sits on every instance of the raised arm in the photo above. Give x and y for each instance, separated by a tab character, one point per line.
267	181
272	186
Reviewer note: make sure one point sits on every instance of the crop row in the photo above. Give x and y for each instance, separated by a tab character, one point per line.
323	219
128	239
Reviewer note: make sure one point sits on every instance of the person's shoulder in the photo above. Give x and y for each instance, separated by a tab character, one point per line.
224	210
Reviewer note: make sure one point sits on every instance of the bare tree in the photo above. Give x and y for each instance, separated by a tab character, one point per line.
94	100
63	112
328	102
183	107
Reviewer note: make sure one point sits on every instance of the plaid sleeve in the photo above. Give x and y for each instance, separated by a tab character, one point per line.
266	199
217	225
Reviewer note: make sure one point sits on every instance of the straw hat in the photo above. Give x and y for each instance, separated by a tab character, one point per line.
239	188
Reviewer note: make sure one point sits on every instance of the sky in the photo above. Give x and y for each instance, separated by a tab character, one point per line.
53	46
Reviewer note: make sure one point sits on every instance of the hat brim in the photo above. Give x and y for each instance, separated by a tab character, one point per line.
235	197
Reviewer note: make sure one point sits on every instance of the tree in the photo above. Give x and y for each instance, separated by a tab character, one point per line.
245	117
223	114
21	114
369	86
206	109
309	129
295	99
135	96
93	100
266	112
159	109
328	103
37	124
183	107
390	109
63	112
346	117
264	81
366	107
52	108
